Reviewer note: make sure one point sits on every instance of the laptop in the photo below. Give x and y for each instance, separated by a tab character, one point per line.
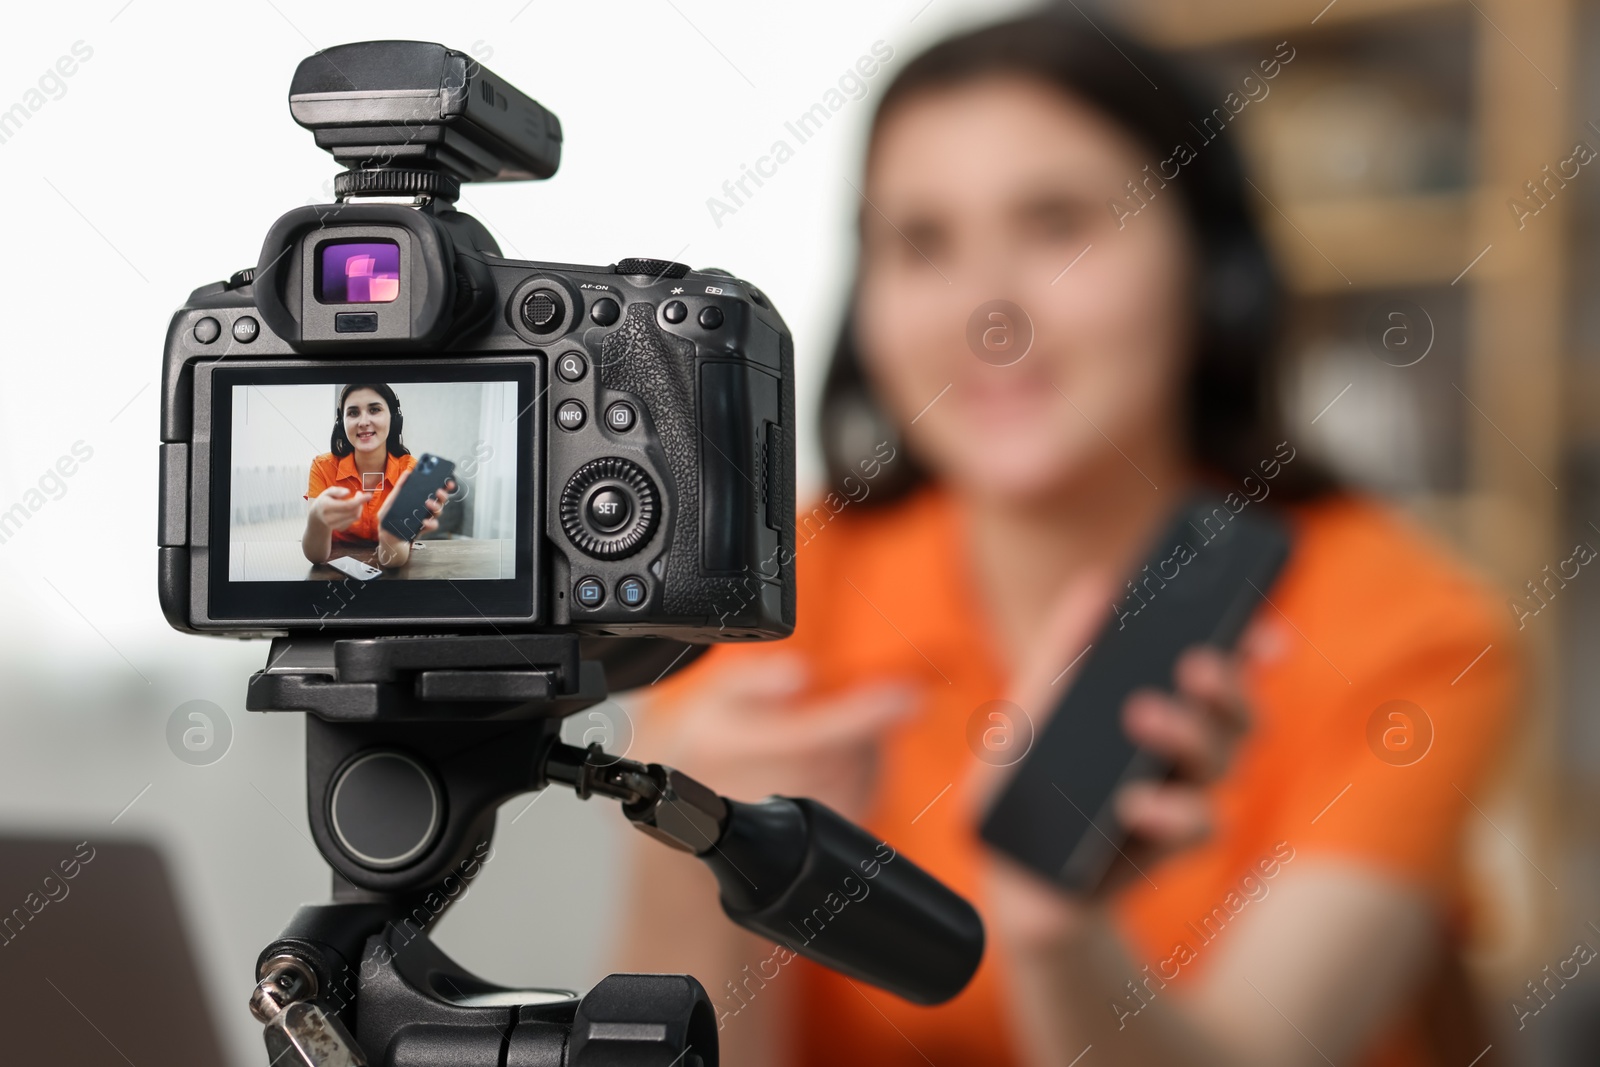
95	967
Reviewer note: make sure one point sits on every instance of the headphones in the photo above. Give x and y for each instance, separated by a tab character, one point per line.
339	443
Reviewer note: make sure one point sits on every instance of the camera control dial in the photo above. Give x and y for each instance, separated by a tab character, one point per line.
609	508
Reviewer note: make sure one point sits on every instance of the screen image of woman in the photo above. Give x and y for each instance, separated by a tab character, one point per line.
352	486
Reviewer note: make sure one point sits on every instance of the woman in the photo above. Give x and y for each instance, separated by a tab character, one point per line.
352	485
1299	898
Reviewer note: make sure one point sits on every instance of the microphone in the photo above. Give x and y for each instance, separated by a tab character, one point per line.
796	871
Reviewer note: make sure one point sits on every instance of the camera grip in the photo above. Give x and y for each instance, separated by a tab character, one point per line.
638	357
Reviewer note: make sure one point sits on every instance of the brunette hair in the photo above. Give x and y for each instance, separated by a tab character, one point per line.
1233	418
340	444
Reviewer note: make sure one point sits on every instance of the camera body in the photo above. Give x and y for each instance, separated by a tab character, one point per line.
633	466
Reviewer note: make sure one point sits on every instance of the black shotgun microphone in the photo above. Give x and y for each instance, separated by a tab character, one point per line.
797	872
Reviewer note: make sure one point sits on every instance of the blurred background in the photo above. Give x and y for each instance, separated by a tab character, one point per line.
1427	170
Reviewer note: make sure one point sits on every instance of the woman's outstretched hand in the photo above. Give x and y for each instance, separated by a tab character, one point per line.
337	508
750	731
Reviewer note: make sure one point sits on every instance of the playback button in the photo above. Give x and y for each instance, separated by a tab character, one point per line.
590	592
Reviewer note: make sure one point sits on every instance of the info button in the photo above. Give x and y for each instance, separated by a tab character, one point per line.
570	415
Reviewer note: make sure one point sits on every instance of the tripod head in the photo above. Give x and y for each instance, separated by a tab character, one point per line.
412	743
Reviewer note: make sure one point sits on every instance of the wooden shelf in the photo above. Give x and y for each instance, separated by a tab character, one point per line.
1330	246
1517	346
1581	400
1466	520
1199	23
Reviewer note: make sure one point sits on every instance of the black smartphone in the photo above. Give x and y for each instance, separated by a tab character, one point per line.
407	514
1204	577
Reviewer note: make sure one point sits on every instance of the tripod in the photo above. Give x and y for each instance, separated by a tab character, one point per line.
411	745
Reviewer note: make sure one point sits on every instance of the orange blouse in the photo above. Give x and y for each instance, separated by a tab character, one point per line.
328	469
1367	612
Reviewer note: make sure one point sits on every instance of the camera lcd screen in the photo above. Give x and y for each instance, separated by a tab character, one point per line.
306	461
358	272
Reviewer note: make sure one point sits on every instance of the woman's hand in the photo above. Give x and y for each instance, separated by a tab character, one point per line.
336	508
395	551
1195	728
749	733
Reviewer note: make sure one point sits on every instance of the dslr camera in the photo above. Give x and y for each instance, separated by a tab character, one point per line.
387	426
467	495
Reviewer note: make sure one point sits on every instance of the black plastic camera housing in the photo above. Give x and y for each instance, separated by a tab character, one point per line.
655	402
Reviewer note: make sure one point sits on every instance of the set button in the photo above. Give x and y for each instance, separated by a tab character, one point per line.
609	510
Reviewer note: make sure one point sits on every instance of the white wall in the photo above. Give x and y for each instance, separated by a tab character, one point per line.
159	168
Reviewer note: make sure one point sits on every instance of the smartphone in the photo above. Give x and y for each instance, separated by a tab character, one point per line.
407	513
1204	577
364	572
